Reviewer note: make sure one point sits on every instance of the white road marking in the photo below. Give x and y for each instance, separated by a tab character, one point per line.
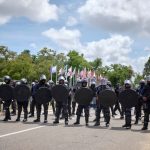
13	133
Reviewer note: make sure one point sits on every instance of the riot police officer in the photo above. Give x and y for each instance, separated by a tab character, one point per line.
127	125
61	106
117	104
42	83
23	104
81	107
93	88
32	102
138	107
52	102
103	86
7	104
76	87
146	103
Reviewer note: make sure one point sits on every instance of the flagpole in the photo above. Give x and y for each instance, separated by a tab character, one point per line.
56	75
51	76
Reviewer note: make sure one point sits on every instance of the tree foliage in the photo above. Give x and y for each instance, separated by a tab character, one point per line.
25	65
147	68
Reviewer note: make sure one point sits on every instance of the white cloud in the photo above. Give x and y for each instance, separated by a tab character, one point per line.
115	49
35	10
116	15
65	38
71	21
146	49
33	45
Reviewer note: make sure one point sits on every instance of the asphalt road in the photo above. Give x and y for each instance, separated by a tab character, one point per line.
40	136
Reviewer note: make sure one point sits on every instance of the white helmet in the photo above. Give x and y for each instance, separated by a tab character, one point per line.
24	80
51	82
42	77
33	83
61	78
127	82
93	82
142	81
18	83
103	81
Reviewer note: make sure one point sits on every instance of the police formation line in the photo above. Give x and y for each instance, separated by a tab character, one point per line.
102	97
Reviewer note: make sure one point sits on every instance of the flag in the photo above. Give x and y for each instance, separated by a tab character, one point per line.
53	69
84	73
61	71
69	72
74	71
65	71
89	74
81	74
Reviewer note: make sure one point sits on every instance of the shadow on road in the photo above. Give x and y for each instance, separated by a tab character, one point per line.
96	127
118	128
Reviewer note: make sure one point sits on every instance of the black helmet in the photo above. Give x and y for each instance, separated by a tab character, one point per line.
84	82
7	79
23	81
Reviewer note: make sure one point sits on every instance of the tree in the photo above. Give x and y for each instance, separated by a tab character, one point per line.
77	61
117	73
146	71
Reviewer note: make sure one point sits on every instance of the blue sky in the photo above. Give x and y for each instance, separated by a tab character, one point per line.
116	32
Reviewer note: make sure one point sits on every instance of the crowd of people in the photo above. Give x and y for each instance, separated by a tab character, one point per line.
68	107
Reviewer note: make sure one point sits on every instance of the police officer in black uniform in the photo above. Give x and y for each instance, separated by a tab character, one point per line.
117	104
61	106
7	104
127	125
138	107
42	83
76	87
106	110
32	102
81	107
52	102
146	103
23	104
93	88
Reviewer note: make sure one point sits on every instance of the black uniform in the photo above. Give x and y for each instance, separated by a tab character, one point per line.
127	112
146	105
117	105
23	105
100	108
138	107
80	110
6	107
61	107
38	106
32	102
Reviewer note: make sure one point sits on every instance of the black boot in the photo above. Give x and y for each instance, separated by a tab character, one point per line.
18	119
145	127
5	119
56	121
66	121
136	122
45	118
87	121
77	121
97	123
36	120
107	124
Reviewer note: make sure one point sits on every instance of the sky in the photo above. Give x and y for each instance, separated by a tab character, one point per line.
116	31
